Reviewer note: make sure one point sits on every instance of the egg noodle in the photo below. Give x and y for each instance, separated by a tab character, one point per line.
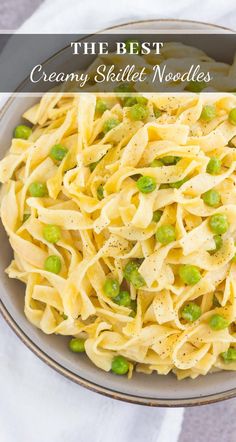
178	67
106	220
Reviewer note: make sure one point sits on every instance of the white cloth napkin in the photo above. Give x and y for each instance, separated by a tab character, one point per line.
39	405
90	15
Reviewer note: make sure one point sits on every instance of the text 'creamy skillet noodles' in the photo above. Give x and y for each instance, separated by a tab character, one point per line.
121	212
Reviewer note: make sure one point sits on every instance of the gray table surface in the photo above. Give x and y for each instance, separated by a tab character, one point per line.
209	423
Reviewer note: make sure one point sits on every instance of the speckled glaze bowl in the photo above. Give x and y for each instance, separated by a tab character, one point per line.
153	390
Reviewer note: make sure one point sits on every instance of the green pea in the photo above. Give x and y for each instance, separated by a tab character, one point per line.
138	112
214	166
146	184
170	160
157	216
208	113
195	86
77	345
189	274
218	244
136	279
123	298
128	101
129	268
157	112
38	189
100	192
219	223
218	322
111	288
178	184
131	101
120	365
101	106
165	234
58	152
229	355
211	198
110	124
25	217
53	264
92	166
156	163
52	233
232	116
133	46
142	100
22	131
191	312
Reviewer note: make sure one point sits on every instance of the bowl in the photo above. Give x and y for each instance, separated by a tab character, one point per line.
154	390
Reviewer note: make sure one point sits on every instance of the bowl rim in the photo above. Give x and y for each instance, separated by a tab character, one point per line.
105	391
67	373
169	20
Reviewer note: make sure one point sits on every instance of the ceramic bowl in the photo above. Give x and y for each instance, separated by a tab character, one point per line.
143	389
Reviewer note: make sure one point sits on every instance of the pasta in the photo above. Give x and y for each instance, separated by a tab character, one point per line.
125	234
172	71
